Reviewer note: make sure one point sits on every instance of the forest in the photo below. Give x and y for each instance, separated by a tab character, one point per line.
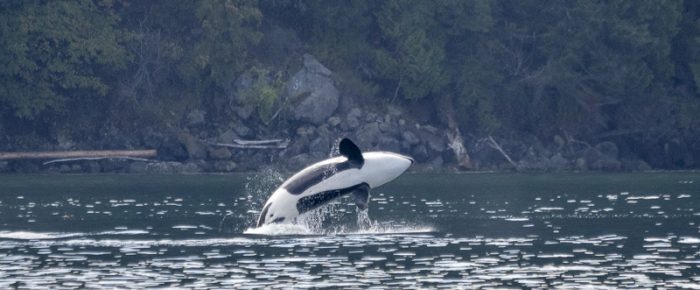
120	74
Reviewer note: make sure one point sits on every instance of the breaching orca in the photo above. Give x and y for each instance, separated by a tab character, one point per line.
353	172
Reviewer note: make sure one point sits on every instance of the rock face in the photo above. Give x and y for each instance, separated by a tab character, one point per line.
312	93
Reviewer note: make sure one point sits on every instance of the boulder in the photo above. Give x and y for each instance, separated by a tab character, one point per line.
606	164
219	153
244	111
591	155
299	161
312	92
387	143
432	140
334	121
420	153
368	135
227	136
242	130
224	166
172	149
320	146
558	162
410	138
608	149
195	117
634	165
195	148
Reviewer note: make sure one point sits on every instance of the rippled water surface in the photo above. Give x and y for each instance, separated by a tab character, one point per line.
421	231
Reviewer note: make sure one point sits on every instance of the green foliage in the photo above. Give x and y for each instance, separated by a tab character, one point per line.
412	57
53	52
264	91
540	67
229	30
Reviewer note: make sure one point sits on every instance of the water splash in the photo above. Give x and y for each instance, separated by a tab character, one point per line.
257	189
363	221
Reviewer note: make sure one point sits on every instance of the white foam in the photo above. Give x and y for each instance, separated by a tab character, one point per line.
280	230
689	240
299	229
29	235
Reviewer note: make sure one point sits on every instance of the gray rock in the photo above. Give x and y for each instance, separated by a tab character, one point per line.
92	167
580	164
244	111
4	166
299	161
195	148
64	142
219	153
138	167
371	117
368	135
172	149
227	136
188	167
420	153
410	137
297	146
224	166
607	148
320	146
386	127
64	168
433	141
635	165
306	131
643	165
334	121
312	92
351	123
196	117
430	129
355	112
394	111
591	155
437	162
559	141
558	162
242	130
387	143
606	164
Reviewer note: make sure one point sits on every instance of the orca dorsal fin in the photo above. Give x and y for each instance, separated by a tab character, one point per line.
351	151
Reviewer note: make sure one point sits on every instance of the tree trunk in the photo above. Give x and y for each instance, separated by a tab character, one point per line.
454	136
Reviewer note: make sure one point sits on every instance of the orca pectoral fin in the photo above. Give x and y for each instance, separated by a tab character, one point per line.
361	194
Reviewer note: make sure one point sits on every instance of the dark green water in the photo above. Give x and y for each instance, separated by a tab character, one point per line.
614	231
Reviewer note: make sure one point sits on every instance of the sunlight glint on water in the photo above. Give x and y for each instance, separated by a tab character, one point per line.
424	231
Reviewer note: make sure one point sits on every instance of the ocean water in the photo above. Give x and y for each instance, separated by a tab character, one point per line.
597	231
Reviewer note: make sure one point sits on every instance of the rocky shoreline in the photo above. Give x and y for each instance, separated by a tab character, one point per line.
311	116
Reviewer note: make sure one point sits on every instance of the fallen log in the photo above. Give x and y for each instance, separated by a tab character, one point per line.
79	154
96	158
498	148
254	144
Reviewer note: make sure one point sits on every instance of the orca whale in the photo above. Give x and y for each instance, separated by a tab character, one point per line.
354	172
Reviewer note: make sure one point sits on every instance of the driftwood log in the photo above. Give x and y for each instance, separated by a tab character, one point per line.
85	154
254	144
